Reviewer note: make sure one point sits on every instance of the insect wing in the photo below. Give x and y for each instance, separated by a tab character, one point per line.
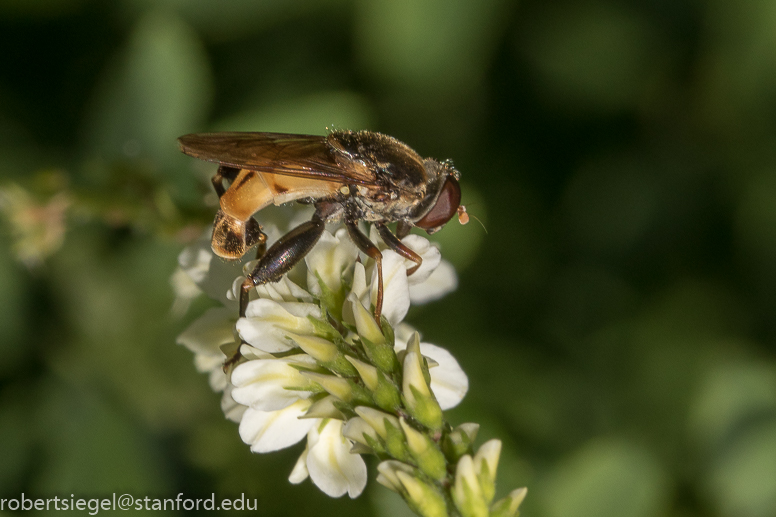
304	156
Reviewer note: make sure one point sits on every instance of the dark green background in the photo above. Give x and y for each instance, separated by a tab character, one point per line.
616	321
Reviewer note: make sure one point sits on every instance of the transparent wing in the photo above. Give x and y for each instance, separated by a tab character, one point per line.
304	156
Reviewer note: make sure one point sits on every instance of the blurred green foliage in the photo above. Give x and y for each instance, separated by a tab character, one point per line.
616	320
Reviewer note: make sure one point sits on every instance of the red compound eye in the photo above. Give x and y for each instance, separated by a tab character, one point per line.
445	207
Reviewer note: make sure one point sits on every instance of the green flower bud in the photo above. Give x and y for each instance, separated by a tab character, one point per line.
386	395
366	325
413	345
324	408
343	389
420	402
323	329
459	442
427	455
384	392
367	372
485	465
424	498
387	475
320	349
466	492
382	356
378	420
357	429
388	428
330	299
508	506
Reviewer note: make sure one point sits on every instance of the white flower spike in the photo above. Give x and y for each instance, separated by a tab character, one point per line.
314	363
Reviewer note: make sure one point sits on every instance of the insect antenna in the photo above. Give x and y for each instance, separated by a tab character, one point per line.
463	217
481	223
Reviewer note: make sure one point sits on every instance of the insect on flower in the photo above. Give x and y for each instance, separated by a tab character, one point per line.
346	175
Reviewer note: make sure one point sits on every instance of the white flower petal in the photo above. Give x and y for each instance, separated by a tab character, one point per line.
263	335
210	273
403	332
185	290
206	363
207	333
300	473
441	281
267	431
374	237
448	380
214	366
358	290
267	322
428	252
330	257
267	384
331	465
284	291
301	309
250	353
233	294
195	260
232	410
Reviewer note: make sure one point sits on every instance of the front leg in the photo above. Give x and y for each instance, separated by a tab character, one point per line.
403	229
396	245
363	243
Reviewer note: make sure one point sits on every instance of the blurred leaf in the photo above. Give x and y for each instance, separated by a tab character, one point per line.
117	300
651	368
235	18
439	47
38	8
311	114
92	449
530	398
594	55
755	224
387	503
732	395
215	445
581	299
610	205
693	311
738	69
607	478
12	317
16	445
742	482
157	90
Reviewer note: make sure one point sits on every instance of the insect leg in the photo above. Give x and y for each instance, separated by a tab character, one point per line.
277	261
261	249
254	236
396	245
403	229
363	243
223	172
282	256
